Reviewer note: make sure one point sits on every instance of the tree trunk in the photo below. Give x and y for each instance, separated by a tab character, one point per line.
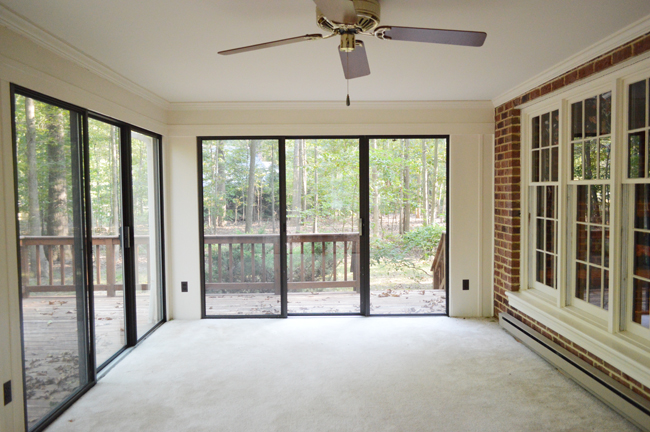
434	209
315	227
250	195
406	196
375	195
56	222
425	184
222	204
273	188
297	184
115	182
34	219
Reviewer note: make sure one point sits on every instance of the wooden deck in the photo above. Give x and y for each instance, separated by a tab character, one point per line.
381	302
51	343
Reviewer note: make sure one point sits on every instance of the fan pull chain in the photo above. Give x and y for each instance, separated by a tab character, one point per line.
347	67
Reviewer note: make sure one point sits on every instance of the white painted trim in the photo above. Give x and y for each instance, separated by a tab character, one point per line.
24	27
621	350
300	105
615	40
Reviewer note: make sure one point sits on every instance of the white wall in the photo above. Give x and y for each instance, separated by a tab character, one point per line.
29	65
470	125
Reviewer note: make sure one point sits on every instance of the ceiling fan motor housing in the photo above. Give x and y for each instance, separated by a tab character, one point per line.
368	18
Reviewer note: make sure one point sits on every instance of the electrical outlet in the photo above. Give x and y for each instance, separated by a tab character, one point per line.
183	286
7	392
465	284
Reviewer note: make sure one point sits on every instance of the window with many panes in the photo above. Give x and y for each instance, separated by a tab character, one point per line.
545	131
637	216
586	204
589	190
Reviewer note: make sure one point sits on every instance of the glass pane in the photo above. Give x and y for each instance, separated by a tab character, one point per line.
399	257
576	121
555	128
604	158
546	126
636	155
550	270
49	222
606	248
535	167
606	204
606	290
106	203
241	246
591	159
642	206
322	223
535	132
582	199
550	201
546	165
146	244
642	254
641	306
605	113
596	204
577	161
582	242
581	281
541	268
540	234
595	290
550	236
554	164
591	117
540	200
637	105
595	244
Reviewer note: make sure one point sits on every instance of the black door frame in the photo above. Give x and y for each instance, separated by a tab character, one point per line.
364	209
87	339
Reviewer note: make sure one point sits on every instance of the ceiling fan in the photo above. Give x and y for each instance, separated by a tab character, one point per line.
349	18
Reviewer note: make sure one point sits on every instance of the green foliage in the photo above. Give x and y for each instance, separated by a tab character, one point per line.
424	240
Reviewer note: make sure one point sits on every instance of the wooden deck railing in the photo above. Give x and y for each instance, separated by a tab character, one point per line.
60	262
242	263
438	267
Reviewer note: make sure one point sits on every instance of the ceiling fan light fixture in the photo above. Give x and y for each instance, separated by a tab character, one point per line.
348	42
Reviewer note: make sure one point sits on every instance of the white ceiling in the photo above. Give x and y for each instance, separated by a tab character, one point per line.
170	47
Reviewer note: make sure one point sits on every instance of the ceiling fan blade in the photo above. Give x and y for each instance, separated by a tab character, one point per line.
272	44
340	11
355	63
451	37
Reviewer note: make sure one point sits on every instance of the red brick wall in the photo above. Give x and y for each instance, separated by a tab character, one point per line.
507	206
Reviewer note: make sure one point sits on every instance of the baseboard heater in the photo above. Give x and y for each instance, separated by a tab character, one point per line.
620	398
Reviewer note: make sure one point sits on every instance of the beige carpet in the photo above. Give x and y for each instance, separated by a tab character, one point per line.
336	374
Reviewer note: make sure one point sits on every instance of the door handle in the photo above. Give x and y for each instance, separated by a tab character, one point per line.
125	237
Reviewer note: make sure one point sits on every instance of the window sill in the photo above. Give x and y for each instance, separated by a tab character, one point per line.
624	351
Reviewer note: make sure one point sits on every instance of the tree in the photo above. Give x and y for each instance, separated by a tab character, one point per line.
406	197
250	197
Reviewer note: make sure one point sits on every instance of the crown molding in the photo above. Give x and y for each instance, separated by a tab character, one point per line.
329	105
611	42
25	28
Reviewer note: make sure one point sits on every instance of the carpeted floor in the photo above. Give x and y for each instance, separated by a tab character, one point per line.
336	374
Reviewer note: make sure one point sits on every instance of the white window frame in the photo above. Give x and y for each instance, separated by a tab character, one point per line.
628	213
607	337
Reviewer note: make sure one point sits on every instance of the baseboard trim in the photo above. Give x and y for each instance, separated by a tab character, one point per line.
618	397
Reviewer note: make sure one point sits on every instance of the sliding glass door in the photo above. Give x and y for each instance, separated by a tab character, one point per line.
90	245
323	240
356	225
241	229
51	226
